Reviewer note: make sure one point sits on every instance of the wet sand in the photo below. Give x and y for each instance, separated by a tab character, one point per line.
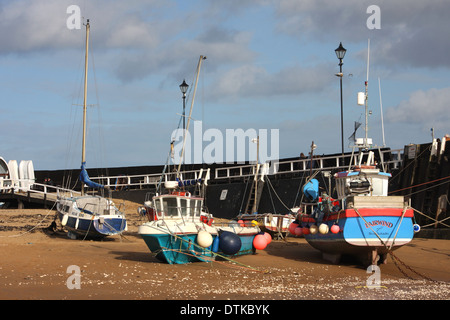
34	265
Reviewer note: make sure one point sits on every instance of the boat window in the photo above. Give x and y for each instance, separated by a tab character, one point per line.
170	207
196	208
340	187
184	206
158	208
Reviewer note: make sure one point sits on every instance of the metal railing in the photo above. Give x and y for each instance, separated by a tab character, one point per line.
143	180
303	165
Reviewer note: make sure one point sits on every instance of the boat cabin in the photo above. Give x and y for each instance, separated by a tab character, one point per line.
362	181
178	205
88	204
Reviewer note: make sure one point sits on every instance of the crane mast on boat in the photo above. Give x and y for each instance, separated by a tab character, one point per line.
190	111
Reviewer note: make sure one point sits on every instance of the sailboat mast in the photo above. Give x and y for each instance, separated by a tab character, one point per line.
83	147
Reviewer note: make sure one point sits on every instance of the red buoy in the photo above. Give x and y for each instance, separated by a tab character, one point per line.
268	237
335	228
292	227
305	230
260	242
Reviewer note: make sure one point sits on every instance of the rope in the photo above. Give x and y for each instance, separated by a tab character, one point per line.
394	257
277	195
432	219
90	223
396	232
382	242
28	231
415	160
421	184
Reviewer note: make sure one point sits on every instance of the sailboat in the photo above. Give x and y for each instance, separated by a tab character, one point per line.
89	216
363	222
180	231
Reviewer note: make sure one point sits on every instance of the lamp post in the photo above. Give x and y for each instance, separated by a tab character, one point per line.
340	53
184	87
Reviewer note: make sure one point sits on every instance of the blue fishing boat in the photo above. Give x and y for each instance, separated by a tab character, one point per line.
179	231
86	215
363	222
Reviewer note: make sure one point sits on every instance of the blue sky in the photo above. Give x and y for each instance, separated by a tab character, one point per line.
270	65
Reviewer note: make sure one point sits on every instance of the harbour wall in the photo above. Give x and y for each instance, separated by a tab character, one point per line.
423	177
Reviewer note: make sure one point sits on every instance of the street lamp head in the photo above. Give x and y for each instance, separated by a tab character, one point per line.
340	52
184	87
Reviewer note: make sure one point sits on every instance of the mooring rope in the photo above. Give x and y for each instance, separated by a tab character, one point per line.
394	257
28	231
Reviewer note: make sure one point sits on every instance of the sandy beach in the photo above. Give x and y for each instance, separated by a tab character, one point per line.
36	265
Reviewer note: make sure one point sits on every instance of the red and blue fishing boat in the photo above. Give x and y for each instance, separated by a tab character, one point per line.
363	221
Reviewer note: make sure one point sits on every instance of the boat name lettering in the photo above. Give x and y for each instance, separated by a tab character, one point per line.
382	223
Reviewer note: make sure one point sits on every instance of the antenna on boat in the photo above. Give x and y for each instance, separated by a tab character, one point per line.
381	111
367	98
363	100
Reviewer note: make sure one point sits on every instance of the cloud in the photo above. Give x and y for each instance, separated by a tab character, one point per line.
222	46
255	81
428	108
413	33
41	25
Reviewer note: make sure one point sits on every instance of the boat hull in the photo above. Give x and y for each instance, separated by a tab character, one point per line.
368	236
182	247
96	227
90	224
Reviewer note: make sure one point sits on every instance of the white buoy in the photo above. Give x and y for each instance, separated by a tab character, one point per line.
323	228
313	229
204	239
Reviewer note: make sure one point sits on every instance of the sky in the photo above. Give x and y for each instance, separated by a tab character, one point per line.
270	65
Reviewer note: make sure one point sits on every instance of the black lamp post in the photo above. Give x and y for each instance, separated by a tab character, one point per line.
340	53
184	87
